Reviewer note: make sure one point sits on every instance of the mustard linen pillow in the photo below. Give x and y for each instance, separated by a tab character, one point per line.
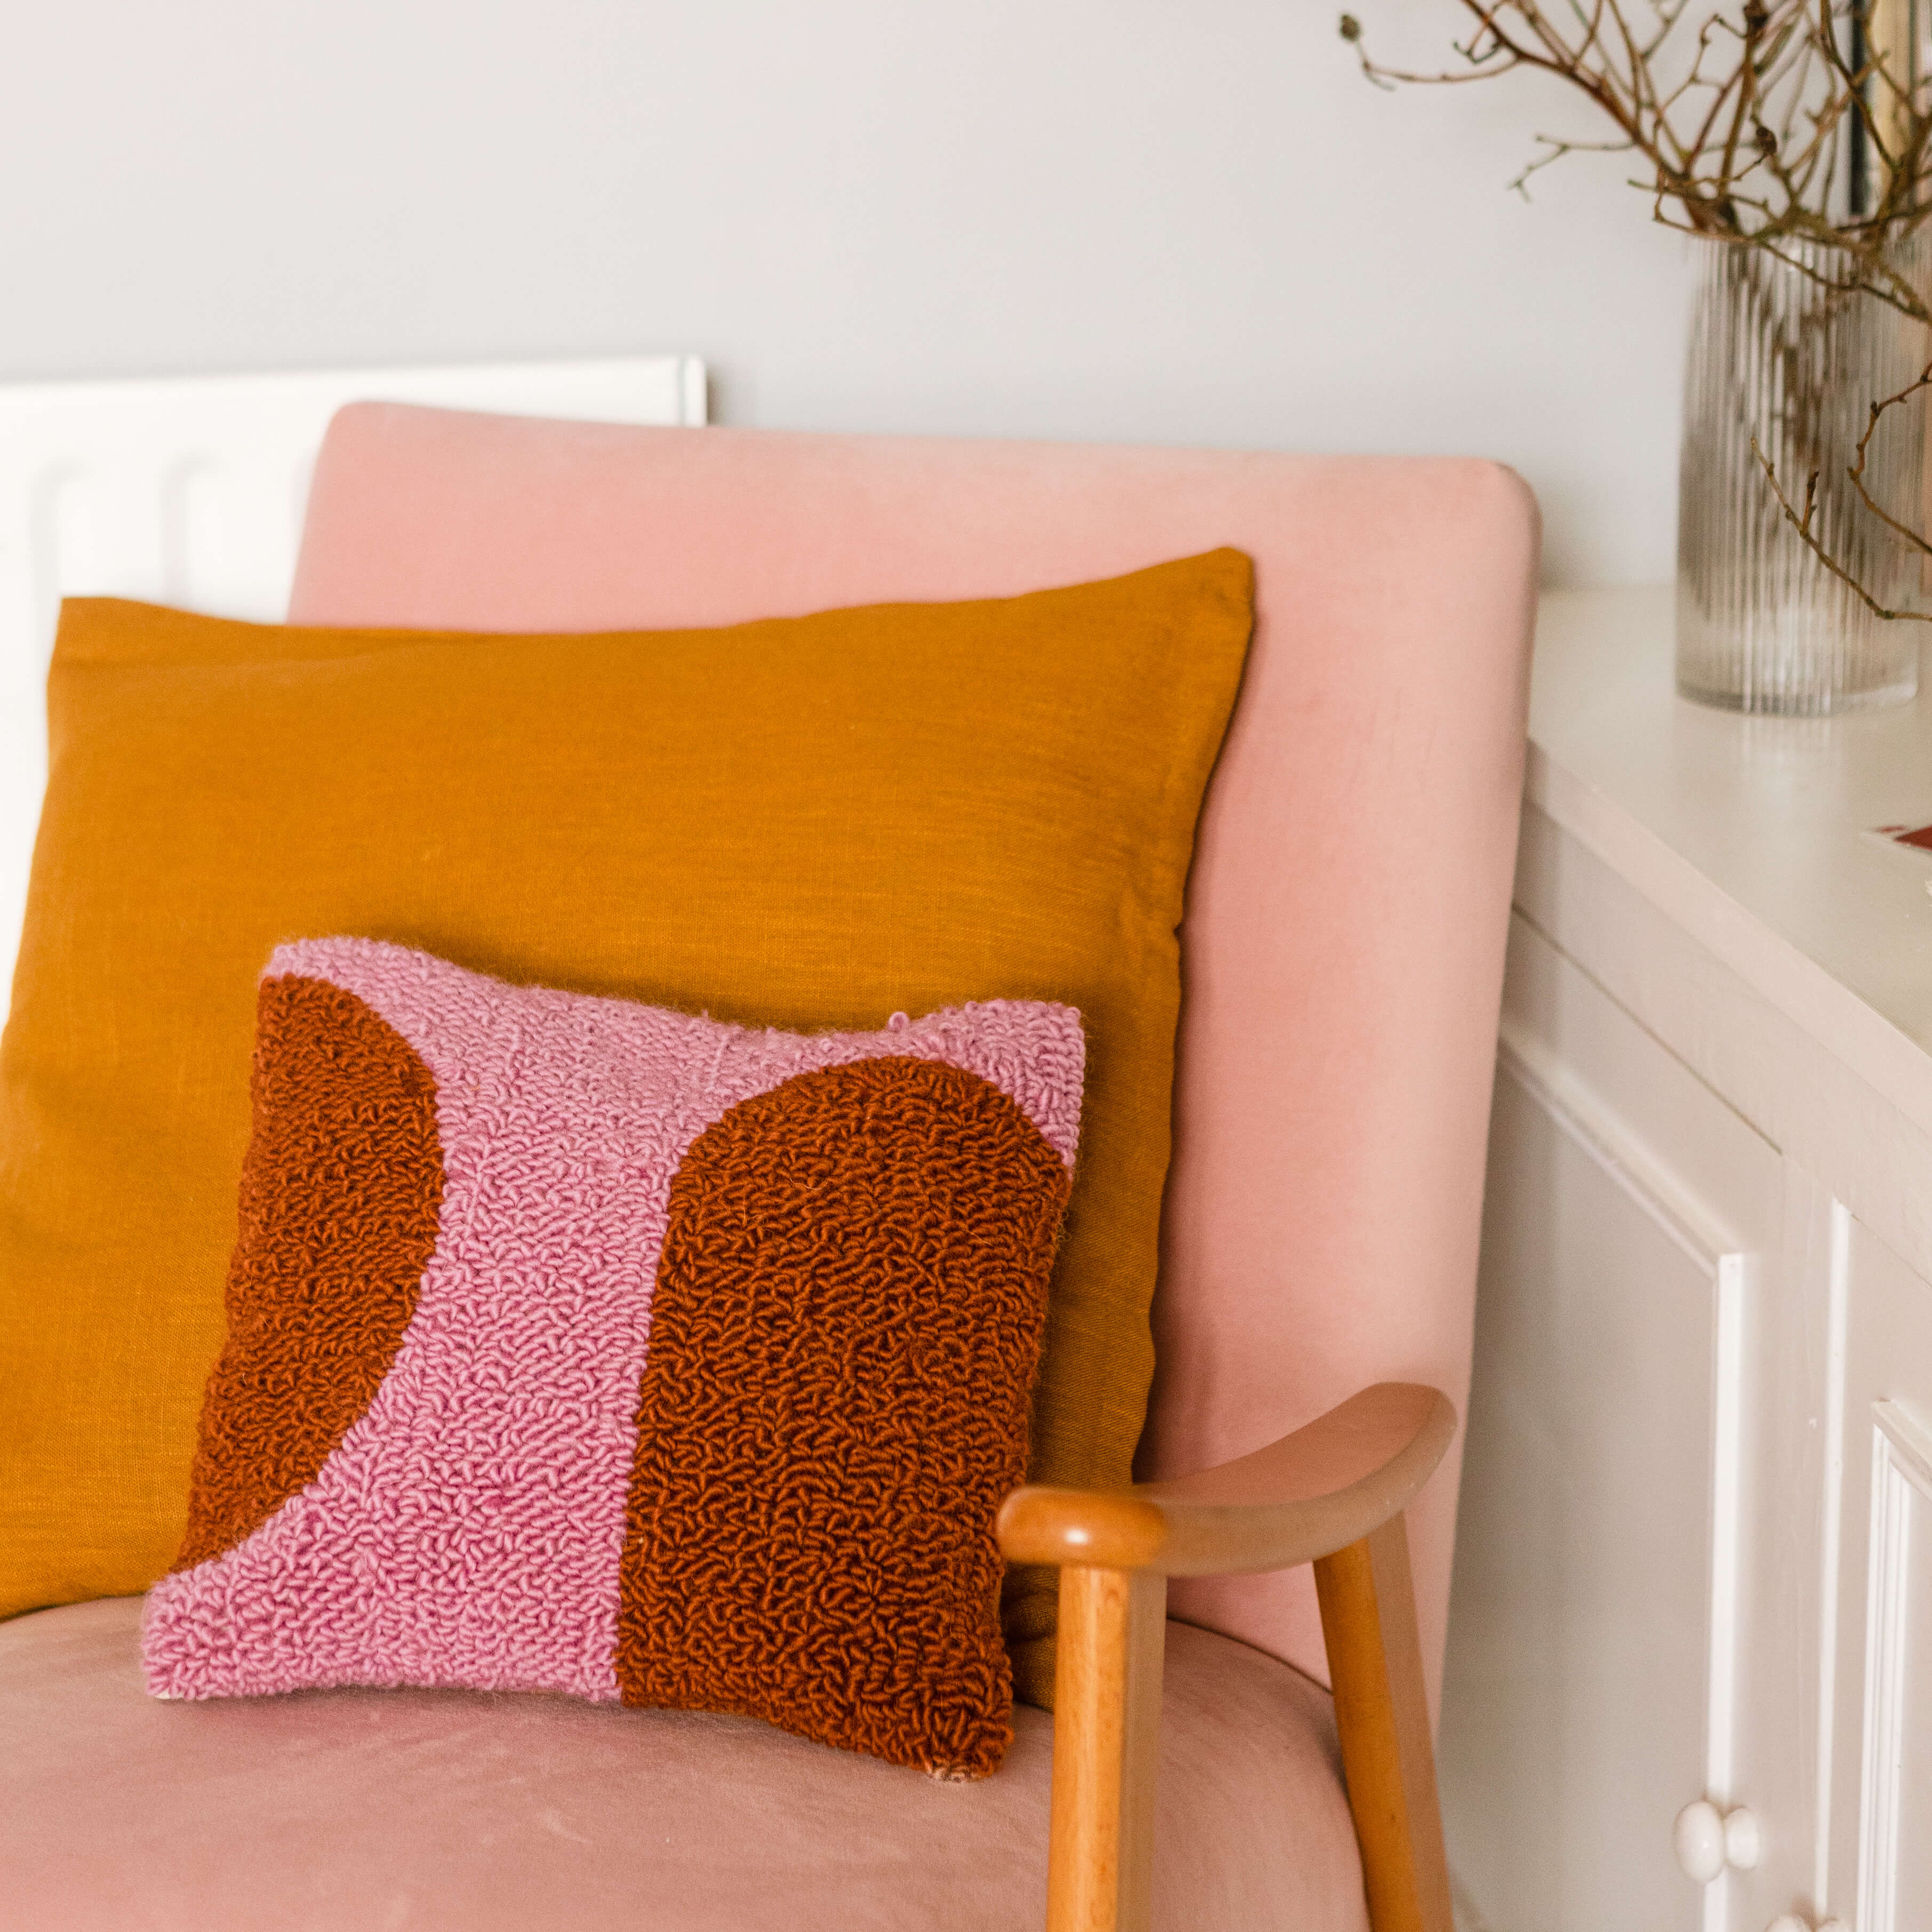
807	822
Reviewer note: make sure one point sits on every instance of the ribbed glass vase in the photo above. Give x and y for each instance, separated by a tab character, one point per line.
1778	353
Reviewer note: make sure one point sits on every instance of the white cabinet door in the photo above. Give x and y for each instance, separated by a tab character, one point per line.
1596	1631
1882	1768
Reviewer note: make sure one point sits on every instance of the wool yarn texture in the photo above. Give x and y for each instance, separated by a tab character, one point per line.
581	1346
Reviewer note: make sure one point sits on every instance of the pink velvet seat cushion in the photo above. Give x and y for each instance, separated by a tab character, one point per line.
348	1810
1343	944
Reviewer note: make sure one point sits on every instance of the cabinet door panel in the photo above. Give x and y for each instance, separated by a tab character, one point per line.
1903	1759
1882	1767
1601	1508
1582	1564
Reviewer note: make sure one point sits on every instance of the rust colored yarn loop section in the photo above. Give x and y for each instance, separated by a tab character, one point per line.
341	1189
844	1334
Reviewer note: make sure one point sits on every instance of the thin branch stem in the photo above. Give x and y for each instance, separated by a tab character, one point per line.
1741	121
1857	471
1801	523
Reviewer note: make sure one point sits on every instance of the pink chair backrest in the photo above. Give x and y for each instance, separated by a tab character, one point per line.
1344	937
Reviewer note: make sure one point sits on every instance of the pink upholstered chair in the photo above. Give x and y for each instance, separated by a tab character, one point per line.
1343	956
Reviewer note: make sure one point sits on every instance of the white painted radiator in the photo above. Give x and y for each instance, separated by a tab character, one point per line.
190	492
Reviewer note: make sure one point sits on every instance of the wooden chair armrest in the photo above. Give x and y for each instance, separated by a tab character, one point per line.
1332	1494
1305	1496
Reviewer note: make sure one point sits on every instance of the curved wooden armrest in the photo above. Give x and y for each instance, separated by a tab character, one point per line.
1332	1494
1304	1497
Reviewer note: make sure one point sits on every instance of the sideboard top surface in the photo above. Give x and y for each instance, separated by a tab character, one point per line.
1755	834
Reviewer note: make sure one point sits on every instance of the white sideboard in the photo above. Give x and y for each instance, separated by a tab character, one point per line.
1695	1562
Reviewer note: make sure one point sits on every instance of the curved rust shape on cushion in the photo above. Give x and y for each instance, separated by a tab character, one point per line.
341	1188
844	1335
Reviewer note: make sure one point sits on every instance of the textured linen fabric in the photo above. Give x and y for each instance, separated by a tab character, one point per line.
802	822
824	1257
1346	911
460	1811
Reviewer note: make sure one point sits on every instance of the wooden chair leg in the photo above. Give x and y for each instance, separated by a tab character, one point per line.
1106	1739
1381	1710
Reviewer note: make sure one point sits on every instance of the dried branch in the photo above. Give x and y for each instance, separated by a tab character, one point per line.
1857	472
1741	121
1744	121
1801	523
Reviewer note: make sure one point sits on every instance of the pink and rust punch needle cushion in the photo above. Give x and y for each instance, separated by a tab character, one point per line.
578	1345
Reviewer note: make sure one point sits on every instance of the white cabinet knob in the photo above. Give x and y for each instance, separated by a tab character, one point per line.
1742	1843
1708	1841
1699	1839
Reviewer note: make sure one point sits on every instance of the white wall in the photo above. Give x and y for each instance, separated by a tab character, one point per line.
1176	220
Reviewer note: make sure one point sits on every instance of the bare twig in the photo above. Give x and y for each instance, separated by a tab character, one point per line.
1714	103
1741	114
1857	472
1801	523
